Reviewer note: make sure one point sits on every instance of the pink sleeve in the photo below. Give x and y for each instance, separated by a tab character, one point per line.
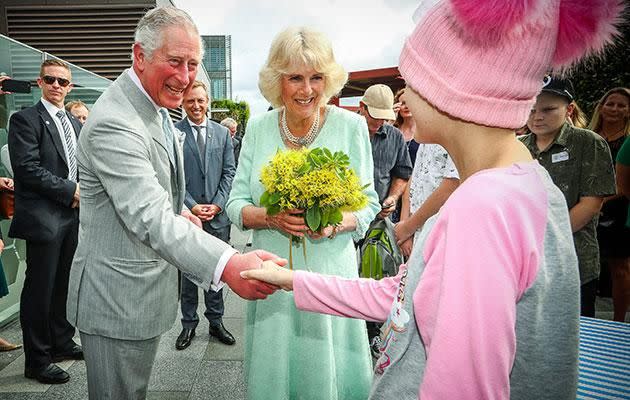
366	299
481	256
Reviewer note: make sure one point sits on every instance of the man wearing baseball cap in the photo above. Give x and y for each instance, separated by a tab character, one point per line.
579	163
392	164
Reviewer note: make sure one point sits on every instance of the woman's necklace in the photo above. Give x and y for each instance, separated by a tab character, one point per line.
613	136
305	140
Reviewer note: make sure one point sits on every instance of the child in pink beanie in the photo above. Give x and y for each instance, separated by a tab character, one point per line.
488	305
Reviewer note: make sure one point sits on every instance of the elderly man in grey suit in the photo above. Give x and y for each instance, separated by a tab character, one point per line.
133	233
209	169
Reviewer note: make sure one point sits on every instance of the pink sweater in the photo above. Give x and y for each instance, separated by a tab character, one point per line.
484	322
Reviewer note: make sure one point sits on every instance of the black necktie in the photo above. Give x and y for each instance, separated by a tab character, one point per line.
201	143
67	135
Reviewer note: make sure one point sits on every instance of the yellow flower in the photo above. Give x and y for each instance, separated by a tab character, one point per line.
293	180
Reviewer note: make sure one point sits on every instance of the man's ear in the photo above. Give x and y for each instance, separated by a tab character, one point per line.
139	57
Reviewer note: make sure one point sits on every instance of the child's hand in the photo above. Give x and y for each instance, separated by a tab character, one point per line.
272	273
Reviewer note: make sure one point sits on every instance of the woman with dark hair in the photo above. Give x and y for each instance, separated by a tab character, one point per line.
407	125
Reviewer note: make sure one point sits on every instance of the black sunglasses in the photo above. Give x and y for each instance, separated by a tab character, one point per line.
49	80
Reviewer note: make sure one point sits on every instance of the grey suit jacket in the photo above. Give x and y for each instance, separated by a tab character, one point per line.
123	283
209	183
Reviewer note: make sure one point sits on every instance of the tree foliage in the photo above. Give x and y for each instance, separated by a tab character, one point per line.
596	75
239	111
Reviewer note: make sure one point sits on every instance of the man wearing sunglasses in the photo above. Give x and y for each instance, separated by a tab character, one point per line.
42	148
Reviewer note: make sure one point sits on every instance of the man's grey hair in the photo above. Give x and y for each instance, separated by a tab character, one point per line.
149	30
229	123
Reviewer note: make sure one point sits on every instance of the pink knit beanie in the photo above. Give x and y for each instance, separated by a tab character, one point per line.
484	61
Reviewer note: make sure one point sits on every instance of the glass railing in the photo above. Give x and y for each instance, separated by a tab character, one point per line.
23	62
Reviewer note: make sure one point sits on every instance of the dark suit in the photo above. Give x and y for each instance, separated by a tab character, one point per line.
236	143
207	184
45	220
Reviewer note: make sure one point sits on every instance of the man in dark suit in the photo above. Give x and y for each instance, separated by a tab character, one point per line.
42	148
232	126
209	170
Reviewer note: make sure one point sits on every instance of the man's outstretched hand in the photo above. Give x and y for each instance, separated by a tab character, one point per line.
249	289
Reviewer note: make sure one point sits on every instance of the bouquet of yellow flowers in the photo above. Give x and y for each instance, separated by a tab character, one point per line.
314	180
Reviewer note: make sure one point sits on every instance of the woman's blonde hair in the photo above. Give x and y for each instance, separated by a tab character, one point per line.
295	47
578	117
596	121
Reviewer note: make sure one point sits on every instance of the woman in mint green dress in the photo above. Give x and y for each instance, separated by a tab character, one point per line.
290	354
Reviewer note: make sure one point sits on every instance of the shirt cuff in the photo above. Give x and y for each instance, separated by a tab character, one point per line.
217	283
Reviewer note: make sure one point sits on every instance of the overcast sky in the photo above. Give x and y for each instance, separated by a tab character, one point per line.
365	34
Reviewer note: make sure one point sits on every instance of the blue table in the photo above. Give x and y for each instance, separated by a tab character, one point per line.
604	363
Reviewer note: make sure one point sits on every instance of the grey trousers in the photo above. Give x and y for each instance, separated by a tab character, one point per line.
118	369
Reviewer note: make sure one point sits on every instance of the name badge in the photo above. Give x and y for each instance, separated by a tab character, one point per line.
558	157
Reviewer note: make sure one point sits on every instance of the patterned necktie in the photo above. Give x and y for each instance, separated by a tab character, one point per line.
67	135
201	143
168	132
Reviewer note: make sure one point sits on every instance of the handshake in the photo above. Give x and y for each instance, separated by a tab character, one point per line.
257	274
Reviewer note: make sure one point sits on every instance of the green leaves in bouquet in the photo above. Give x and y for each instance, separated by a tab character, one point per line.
318	218
270	202
335	217
313	218
324	158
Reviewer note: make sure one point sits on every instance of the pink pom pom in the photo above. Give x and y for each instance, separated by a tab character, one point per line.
584	26
488	20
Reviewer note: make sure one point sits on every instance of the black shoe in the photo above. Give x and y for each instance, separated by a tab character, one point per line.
184	338
222	334
74	353
51	374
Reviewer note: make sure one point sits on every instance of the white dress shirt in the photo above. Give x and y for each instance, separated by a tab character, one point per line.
53	110
204	125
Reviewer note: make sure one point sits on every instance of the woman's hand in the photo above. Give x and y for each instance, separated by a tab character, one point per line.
402	232
272	273
406	247
326	233
290	221
1	245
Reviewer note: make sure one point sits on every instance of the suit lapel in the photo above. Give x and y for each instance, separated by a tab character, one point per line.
51	128
179	169
146	110
153	122
210	137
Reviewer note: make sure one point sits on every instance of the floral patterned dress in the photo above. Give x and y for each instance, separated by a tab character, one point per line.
432	165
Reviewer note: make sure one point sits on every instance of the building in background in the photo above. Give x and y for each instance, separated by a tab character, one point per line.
93	34
218	62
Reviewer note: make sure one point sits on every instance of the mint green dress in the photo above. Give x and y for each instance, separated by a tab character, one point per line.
292	354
